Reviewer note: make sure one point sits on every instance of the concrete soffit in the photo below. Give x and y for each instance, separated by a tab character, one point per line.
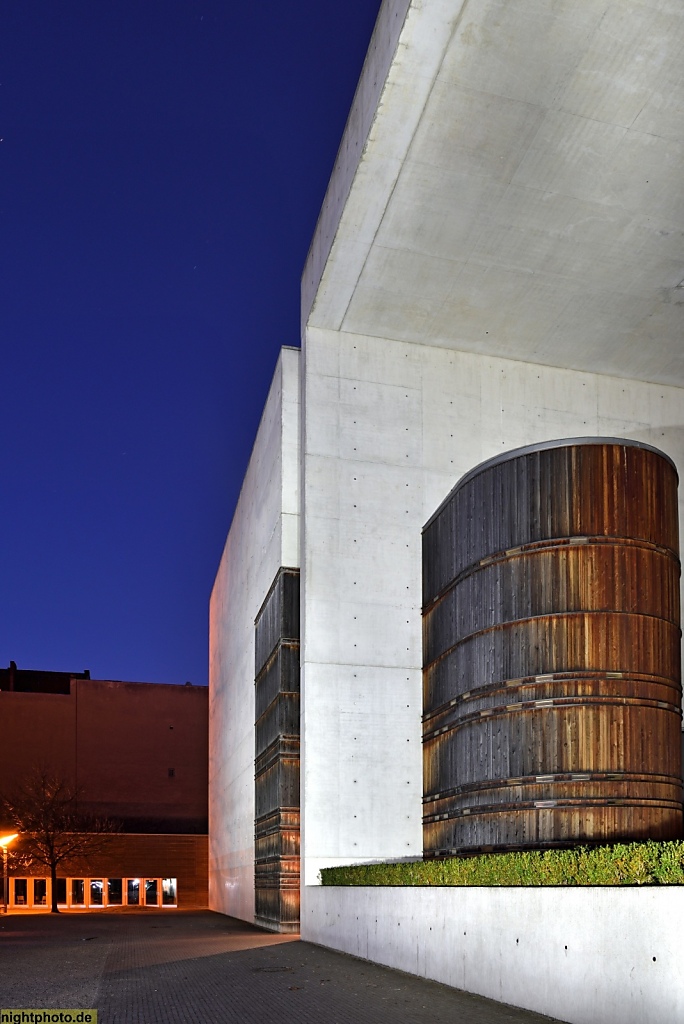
510	183
368	137
364	108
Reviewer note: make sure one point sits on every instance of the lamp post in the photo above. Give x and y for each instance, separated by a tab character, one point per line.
4	842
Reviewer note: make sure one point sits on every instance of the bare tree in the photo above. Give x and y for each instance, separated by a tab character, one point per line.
44	811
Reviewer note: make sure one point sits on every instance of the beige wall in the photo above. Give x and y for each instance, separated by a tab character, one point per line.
181	857
116	742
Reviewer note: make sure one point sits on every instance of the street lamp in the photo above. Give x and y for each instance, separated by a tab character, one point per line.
4	842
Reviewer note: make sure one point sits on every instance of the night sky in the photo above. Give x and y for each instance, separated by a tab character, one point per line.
162	165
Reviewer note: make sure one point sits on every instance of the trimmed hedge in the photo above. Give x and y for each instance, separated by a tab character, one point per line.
642	863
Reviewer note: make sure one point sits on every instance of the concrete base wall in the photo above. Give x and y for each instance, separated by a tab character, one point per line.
608	955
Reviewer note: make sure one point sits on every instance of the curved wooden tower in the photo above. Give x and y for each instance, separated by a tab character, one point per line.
552	694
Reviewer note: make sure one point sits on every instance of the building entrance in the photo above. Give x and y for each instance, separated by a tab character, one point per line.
92	893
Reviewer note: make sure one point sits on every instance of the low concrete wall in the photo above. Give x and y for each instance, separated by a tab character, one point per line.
587	956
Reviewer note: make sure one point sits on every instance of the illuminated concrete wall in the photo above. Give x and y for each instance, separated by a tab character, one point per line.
388	428
585	955
264	536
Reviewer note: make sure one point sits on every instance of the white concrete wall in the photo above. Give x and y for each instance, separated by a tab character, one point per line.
263	536
388	429
588	956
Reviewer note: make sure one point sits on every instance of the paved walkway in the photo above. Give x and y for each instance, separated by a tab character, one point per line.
203	968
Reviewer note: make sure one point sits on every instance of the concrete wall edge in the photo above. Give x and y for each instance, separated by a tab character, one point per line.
584	955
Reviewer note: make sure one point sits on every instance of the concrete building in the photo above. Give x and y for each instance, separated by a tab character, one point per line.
498	262
135	753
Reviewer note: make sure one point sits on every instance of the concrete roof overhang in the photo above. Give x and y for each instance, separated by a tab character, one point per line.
511	182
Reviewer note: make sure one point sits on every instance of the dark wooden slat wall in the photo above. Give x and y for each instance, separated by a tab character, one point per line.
552	691
276	845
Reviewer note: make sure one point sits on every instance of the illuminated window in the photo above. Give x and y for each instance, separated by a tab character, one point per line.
114	892
96	892
151	898
100	892
168	892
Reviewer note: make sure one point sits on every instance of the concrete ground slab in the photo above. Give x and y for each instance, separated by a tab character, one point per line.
204	968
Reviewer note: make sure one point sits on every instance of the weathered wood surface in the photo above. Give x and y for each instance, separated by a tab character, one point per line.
552	694
276	775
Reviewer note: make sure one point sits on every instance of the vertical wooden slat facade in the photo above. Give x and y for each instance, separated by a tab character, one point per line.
552	692
276	846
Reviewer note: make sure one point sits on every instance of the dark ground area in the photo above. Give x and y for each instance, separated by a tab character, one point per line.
203	968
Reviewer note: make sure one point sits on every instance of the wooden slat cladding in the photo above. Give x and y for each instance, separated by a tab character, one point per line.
278	617
276	848
582	490
552	692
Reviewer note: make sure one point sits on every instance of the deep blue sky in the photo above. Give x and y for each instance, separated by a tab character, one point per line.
162	165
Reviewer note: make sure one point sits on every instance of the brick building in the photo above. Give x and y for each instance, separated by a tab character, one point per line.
135	753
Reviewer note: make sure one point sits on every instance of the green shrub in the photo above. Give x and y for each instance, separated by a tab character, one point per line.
642	863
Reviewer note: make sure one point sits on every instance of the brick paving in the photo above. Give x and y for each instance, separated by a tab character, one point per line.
203	968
